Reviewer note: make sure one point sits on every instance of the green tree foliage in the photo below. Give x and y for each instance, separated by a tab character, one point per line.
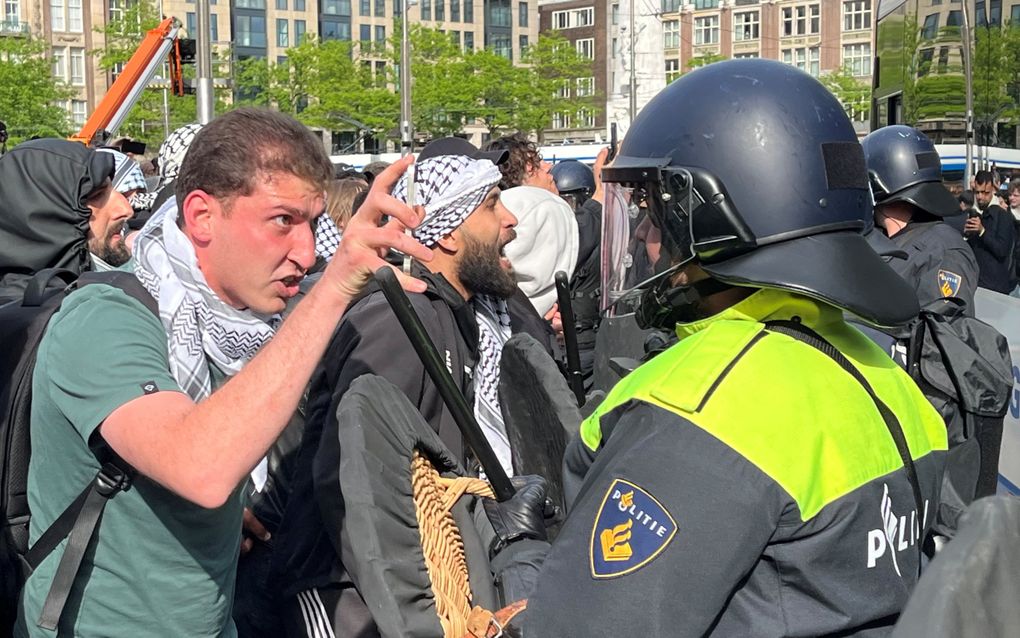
28	91
705	60
321	85
145	121
852	93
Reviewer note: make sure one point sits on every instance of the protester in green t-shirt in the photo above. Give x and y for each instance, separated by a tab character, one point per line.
221	261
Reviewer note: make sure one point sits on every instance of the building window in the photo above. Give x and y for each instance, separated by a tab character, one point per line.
214	28
251	31
469	41
426	9
79	108
299	5
802	19
336	7
857	59
189	24
561	120
365	8
573	18
954	19
746	56
1014	16
931	27
856	15
706	4
77	66
671	34
501	46
672	70
564	91
380	33
440	10
454	10
57	22
670	6
614	14
585	119
522	14
281	5
706	30
299	31
745	26
12	11
804	58
585	87
336	30
365	33
500	13
282	33
469	11
250	4
74	17
380	8
522	43
60	64
116	9
586	48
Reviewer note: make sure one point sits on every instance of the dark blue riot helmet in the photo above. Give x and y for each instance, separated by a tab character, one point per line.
752	169
903	166
575	181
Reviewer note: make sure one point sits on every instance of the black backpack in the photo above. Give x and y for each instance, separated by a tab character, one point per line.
964	368
22	325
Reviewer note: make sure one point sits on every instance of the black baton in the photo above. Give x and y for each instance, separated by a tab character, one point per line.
570	338
440	376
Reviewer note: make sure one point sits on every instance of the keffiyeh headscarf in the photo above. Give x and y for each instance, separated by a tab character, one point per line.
127	174
327	237
449	187
200	327
172	152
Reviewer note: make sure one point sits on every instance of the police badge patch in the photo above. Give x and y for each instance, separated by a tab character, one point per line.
949	283
631	529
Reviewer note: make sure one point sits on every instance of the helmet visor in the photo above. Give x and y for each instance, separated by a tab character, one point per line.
640	238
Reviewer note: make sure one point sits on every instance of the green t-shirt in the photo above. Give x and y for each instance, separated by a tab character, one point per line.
162	564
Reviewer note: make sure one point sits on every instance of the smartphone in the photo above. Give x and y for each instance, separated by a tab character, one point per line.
612	142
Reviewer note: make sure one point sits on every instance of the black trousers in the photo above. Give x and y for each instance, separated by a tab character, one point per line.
333	611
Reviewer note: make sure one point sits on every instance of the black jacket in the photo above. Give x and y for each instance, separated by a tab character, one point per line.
44	220
369	340
586	282
994	249
939	262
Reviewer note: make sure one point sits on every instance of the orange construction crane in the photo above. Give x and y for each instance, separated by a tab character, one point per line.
128	87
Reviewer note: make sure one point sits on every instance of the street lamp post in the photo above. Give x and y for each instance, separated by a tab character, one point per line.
203	64
969	95
406	130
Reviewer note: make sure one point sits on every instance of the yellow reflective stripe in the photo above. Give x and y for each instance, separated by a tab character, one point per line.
787	408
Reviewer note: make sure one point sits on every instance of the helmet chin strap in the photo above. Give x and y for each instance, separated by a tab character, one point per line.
663	306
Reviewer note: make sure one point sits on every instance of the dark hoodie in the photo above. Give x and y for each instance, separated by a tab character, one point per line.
44	220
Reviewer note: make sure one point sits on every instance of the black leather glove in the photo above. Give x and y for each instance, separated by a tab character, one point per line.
523	516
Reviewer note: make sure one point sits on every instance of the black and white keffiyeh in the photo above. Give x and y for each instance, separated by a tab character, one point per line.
172	151
201	328
127	174
493	332
449	187
327	237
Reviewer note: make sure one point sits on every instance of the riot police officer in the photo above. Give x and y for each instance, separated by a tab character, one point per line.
910	204
774	473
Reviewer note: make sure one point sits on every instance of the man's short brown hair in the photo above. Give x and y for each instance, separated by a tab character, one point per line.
229	154
523	158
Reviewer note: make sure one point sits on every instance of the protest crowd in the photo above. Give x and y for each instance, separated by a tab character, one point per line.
727	381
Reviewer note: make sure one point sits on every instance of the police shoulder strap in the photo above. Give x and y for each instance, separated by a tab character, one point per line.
806	335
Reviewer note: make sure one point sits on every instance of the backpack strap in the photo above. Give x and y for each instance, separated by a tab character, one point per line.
802	333
79	521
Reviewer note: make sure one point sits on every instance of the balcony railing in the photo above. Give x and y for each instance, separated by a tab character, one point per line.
13	27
